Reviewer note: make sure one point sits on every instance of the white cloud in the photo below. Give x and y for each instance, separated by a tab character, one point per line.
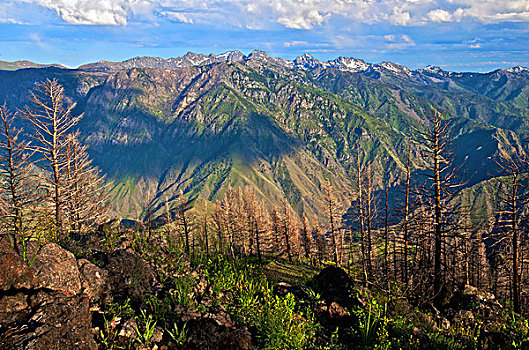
439	16
95	12
407	39
178	16
400	43
296	14
493	11
295	43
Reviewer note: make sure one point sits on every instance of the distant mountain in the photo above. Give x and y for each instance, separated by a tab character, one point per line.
4	65
188	60
199	123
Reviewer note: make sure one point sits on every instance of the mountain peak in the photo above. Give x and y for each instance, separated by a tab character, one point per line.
518	70
433	69
258	54
234	55
349	64
396	68
307	62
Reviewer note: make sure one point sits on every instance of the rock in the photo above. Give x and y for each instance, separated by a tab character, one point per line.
129	276
282	289
157	335
472	299
56	269
13	309
480	295
129	329
93	280
493	340
424	340
14	273
334	284
336	310
56	322
207	334
41	307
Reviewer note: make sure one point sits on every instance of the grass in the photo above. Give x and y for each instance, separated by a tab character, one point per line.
279	270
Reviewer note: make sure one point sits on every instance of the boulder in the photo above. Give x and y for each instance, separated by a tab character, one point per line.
56	269
50	321
14	273
335	285
93	280
129	275
42	307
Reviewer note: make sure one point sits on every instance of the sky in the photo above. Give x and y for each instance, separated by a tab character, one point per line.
457	35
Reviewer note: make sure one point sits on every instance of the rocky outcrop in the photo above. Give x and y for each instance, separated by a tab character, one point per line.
14	273
43	307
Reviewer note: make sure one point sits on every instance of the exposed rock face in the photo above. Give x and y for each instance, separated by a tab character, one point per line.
56	269
129	275
335	287
42	307
14	273
93	280
53	321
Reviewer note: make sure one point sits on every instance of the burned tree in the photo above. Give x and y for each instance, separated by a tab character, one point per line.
17	182
435	139
511	203
52	123
85	195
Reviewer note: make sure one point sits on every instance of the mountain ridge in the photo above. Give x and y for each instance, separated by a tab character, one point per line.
283	130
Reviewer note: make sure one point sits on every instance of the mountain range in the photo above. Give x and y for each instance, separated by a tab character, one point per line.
198	123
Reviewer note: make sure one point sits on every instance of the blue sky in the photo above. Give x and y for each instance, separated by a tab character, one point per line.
459	35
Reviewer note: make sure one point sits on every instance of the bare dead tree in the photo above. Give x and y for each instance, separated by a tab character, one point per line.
331	210
17	182
286	228
52	123
306	239
511	202
435	139
182	208
85	190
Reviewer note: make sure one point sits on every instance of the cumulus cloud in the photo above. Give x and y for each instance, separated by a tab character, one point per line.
295	14
95	12
439	15
493	11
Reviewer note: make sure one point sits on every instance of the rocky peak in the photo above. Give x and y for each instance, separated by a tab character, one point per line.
349	64
432	69
258	54
197	59
235	55
518	70
307	62
395	68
